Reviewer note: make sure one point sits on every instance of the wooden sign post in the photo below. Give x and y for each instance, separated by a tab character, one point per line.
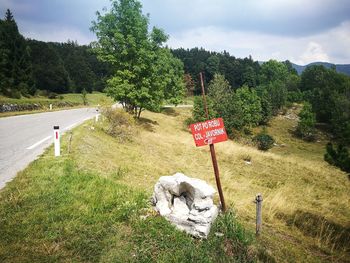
210	132
258	201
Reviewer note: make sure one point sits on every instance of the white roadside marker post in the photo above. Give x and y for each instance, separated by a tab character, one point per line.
98	114
50	106
56	136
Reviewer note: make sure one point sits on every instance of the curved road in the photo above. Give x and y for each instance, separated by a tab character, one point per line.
24	137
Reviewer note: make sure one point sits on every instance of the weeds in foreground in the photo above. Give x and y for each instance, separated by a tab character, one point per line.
55	212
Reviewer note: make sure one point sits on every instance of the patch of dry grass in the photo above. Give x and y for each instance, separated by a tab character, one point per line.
291	179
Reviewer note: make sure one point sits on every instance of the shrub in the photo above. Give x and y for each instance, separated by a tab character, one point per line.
306	125
338	157
264	141
84	96
52	95
15	94
198	112
120	124
41	92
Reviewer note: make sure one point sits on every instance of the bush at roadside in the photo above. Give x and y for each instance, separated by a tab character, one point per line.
120	124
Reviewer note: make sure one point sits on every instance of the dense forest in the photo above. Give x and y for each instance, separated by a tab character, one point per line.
29	67
243	91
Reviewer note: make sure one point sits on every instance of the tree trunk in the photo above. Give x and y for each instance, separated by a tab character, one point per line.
139	113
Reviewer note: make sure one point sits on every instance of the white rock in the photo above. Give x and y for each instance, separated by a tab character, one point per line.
186	202
180	208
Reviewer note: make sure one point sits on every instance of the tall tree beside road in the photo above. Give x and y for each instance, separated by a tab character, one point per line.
144	73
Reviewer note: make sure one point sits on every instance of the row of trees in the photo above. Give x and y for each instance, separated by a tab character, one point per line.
329	94
28	66
237	71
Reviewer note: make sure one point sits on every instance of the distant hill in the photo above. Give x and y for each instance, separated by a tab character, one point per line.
343	68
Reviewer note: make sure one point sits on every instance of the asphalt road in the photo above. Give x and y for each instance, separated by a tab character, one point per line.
24	137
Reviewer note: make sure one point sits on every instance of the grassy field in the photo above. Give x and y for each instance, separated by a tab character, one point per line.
89	205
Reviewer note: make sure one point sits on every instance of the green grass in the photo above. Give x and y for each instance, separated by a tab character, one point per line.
282	129
305	209
55	212
93	99
187	100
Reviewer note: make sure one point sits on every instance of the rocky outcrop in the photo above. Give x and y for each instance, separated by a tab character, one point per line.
186	202
9	107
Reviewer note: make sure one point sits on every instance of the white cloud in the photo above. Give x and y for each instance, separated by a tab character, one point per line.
55	33
332	45
19	7
313	52
298	30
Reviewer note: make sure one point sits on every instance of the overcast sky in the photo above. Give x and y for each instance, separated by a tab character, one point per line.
302	31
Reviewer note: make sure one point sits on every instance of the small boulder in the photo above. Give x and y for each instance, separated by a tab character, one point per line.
186	202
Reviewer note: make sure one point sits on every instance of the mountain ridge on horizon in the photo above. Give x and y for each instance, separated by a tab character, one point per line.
341	68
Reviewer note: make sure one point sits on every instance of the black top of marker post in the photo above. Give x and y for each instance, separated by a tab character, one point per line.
56	127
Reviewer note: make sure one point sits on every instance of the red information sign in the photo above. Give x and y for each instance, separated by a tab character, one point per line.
209	132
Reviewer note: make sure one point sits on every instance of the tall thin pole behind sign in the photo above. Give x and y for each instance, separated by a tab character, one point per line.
212	151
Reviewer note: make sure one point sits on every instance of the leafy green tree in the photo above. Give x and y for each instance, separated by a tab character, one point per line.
274	76
137	58
189	84
290	68
219	89
306	124
249	77
266	107
221	103
240	109
249	101
329	94
278	95
273	70
167	79
340	118
320	82
338	157
212	67
84	96
198	112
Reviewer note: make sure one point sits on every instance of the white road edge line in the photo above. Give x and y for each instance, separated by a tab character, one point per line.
70	126
48	137
38	143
